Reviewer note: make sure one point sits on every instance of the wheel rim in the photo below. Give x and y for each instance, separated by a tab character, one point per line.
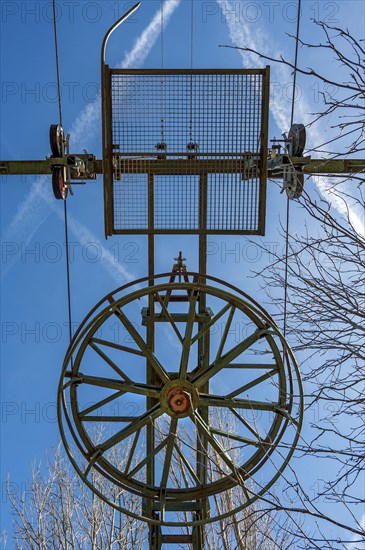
59	187
297	139
294	184
179	400
56	138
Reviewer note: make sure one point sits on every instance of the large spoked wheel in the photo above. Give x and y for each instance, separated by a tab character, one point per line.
199	399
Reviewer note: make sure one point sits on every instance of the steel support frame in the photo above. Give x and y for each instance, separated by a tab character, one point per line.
156	538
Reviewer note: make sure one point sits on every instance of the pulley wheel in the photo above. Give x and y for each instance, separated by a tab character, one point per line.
297	139
294	184
59	187
56	138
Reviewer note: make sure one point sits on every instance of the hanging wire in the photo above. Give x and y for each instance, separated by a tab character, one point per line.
191	66
162	36
192	35
57	60
162	81
68	275
286	265
65	201
288	200
295	63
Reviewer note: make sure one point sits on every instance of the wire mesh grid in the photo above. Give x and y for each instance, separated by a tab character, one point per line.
176	202
131	202
199	134
220	113
233	204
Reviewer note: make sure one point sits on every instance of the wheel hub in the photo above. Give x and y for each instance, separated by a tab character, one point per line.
179	398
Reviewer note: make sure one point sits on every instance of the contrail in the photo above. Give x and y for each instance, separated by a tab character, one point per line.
148	38
87	123
240	35
39	203
84	236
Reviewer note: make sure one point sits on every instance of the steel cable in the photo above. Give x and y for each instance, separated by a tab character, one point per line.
68	282
288	200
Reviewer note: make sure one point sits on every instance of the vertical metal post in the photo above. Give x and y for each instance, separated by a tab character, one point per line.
107	149
154	530
106	119
203	358
263	151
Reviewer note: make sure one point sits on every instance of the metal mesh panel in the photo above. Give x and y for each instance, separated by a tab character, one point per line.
176	202
131	202
187	150
232	204
221	113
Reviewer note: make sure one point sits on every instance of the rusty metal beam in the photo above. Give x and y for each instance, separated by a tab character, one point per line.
188	71
195	166
315	166
44	167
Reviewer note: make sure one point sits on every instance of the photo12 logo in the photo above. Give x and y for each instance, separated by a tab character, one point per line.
47	92
67	11
36	412
241	12
54	252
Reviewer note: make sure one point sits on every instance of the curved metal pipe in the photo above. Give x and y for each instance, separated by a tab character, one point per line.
105	114
114	27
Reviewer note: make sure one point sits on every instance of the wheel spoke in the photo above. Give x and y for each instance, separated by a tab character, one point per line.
101	403
168	315
210	323
206	431
253	383
203	376
117	346
110	362
141	389
108	418
133	427
245	423
221	401
255	366
188	333
225	333
169	450
152	360
235	437
187	465
149	457
131	451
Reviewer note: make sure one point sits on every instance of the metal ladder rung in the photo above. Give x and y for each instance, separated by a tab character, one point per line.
176	539
176	298
176	317
189	506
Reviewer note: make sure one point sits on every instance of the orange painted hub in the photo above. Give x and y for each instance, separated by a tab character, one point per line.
179	400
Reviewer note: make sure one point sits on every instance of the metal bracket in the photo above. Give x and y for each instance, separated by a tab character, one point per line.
81	166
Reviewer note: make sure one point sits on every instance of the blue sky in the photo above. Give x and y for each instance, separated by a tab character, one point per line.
33	306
